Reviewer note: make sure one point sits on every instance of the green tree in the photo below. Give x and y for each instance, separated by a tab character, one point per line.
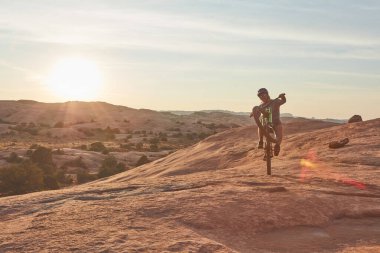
43	157
21	178
13	158
83	176
110	167
97	146
51	182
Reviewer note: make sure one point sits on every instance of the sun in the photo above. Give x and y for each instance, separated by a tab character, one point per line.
75	79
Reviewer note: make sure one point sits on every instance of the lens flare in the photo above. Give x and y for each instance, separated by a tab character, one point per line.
311	166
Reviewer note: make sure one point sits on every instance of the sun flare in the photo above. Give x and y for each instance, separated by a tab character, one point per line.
75	79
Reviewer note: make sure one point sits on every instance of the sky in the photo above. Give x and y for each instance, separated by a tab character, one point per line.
199	55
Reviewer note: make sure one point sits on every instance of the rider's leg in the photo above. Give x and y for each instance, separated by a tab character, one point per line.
261	136
256	114
278	130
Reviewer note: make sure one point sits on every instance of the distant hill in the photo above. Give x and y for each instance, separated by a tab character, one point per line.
74	119
283	115
207	111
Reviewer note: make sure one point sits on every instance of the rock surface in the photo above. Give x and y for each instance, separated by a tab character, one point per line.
215	196
339	144
355	118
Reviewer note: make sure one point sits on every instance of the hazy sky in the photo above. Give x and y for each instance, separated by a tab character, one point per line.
193	55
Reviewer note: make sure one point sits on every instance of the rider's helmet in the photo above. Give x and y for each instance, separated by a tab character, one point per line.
262	91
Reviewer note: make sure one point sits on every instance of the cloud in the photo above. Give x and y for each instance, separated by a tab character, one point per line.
153	29
28	73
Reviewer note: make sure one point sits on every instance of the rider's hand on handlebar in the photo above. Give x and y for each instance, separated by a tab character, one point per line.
281	95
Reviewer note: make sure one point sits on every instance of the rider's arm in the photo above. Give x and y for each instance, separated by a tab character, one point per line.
282	99
255	112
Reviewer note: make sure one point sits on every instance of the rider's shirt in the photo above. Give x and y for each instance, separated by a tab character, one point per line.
273	108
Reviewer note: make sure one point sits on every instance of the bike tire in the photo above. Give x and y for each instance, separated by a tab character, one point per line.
268	157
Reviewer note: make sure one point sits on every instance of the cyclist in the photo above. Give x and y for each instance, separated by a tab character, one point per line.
272	106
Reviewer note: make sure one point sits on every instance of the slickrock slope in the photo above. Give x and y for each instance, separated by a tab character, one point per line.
215	196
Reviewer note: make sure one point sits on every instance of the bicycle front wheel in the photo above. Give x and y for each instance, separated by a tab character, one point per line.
268	148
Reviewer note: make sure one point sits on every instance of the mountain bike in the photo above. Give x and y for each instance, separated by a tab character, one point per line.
264	122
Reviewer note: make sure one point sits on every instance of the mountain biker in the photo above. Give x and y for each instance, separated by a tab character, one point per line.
274	108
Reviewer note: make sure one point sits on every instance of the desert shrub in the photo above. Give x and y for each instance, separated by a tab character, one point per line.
44	159
30	128
139	146
29	153
83	176
32	131
109	162
97	146
177	135
86	131
127	146
154	140
167	147
211	126
153	147
191	136
202	135
109	136
62	178
13	158
59	124
142	160
222	126
44	125
2	121
162	136
112	130
110	167
21	178
51	182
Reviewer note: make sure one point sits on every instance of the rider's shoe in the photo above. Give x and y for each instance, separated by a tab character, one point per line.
276	149
260	145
